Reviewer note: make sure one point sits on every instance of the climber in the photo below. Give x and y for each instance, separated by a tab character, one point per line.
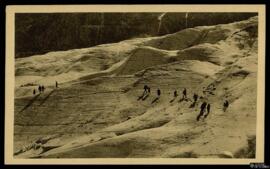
208	110
174	96
175	93
34	91
225	105
39	89
195	97
157	98
145	90
56	84
184	93
145	93
203	105
158	92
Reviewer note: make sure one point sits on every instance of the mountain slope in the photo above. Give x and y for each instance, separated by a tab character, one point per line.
98	113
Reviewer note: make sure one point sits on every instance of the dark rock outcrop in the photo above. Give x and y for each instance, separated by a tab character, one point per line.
40	33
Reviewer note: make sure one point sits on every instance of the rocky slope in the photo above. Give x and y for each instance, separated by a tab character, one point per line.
42	33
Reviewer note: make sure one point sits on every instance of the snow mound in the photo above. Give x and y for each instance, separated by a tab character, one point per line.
145	57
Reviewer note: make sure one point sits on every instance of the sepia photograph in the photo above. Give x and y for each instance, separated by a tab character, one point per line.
135	83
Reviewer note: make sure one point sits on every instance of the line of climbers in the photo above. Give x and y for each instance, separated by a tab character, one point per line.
204	108
41	88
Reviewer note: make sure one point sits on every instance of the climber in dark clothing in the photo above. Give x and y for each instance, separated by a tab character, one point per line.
34	91
174	96
42	88
145	93
175	93
184	93
145	89
195	97
157	98
158	92
56	84
225	105
39	89
208	110
203	105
